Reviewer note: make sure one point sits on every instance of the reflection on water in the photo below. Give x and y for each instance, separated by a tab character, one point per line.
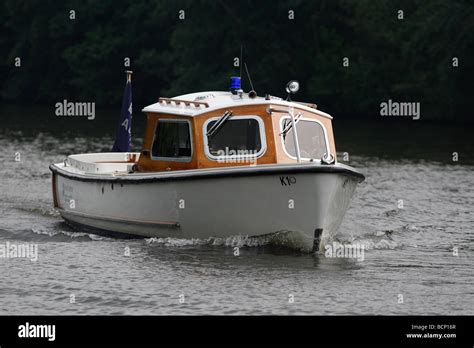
408	250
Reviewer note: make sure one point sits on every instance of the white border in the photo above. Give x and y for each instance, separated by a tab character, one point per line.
173	159
263	139
303	119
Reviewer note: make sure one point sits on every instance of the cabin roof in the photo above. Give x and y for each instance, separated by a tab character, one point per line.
195	104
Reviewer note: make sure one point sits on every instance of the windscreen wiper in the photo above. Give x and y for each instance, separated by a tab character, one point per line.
216	126
288	125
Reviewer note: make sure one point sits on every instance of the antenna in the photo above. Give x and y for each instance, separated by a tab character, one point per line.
248	75
252	93
240	62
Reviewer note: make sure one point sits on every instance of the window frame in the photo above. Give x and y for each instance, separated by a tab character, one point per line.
263	138
186	159
303	119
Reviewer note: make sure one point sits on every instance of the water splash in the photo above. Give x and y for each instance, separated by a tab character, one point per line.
71	235
283	239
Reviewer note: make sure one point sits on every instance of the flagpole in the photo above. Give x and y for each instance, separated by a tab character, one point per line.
123	137
129	75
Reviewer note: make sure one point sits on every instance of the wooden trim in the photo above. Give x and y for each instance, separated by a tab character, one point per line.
173	224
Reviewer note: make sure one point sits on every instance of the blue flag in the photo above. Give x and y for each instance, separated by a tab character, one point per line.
124	132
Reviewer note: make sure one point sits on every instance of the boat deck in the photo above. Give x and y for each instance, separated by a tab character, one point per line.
102	163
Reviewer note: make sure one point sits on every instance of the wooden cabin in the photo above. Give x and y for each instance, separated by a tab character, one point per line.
256	130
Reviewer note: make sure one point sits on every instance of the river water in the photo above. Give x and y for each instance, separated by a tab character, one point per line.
413	215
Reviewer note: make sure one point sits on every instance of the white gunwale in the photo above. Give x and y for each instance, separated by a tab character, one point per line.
202	172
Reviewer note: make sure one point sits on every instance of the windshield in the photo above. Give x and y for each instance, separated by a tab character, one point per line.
236	135
311	139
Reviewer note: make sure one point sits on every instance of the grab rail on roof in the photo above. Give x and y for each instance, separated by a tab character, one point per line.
180	101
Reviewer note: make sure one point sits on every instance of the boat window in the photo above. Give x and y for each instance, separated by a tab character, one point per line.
172	140
311	138
239	137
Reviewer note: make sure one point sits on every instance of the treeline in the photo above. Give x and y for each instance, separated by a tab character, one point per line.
400	50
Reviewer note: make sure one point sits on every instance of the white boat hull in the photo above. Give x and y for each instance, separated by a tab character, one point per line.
309	204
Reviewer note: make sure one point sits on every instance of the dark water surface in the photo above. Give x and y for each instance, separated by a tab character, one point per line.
408	251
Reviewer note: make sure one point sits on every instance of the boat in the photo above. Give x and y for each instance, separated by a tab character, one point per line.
215	164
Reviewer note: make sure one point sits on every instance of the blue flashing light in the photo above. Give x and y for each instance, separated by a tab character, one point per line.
234	83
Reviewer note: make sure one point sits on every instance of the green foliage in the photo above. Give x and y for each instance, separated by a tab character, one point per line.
83	58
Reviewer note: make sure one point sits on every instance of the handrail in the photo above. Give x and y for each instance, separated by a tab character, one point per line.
179	101
295	134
